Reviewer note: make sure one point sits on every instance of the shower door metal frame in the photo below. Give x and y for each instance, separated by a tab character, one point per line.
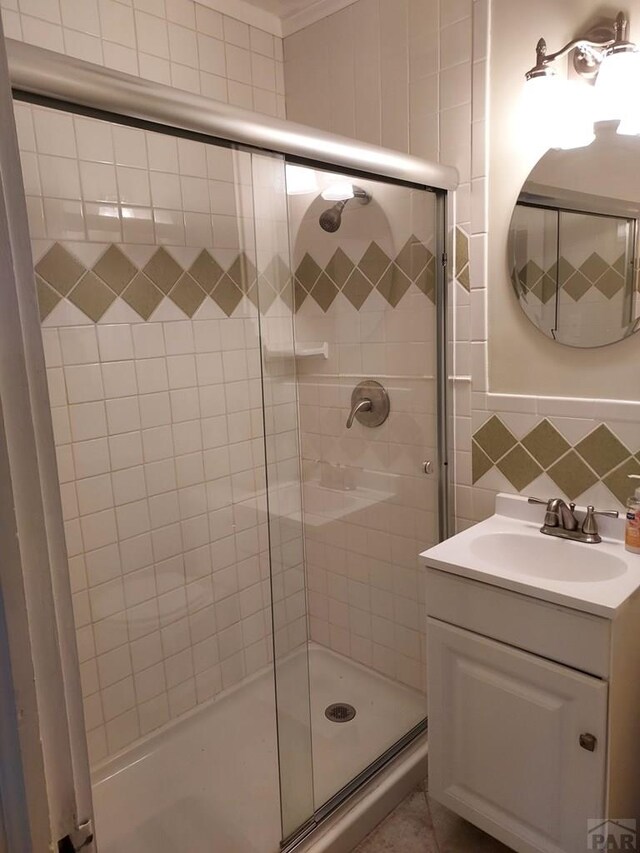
43	77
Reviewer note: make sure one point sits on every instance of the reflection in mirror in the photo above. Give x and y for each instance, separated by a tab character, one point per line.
573	241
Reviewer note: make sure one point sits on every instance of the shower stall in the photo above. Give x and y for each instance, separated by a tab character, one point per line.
244	332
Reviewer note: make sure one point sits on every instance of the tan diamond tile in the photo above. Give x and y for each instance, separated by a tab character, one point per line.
413	258
494	438
544	289
265	294
163	270
462	251
519	467
620	266
594	267
242	272
618	481
187	294
602	450
227	295
339	267
142	295
610	283
374	262
530	274
60	269
299	294
92	296
562	271
426	281
324	291
308	272
577	285
206	271
48	298
393	285
480	462
357	289
545	443
571	475
278	274
464	278
115	269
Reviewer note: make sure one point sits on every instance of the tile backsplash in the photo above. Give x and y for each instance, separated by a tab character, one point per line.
574	466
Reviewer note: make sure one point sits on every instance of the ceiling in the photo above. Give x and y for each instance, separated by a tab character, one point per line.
297	14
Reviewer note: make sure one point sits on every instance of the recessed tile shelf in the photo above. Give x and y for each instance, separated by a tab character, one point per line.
600	456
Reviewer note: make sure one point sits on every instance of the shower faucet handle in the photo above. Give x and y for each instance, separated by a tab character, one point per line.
369	404
362	405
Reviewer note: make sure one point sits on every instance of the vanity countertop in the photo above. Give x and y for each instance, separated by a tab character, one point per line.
508	551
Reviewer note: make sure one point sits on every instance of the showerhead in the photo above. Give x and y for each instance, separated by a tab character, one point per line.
331	219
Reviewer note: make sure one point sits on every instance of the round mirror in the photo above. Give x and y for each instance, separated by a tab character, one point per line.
573	241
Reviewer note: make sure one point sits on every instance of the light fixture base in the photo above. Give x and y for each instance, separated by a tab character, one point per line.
587	59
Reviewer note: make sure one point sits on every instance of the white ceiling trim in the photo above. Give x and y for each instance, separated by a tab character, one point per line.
249	14
312	14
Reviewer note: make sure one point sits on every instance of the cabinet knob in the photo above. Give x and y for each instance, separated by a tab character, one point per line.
588	741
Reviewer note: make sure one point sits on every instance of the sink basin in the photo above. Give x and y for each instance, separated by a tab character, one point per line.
540	556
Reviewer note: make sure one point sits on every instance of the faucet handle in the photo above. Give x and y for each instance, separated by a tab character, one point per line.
538	501
590	525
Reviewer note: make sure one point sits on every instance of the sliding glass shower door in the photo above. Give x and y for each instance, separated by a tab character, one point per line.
243	395
351	681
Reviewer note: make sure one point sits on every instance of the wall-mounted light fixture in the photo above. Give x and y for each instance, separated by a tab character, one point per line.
608	88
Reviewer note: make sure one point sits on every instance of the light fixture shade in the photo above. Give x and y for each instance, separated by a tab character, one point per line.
541	108
617	86
574	127
301	180
339	191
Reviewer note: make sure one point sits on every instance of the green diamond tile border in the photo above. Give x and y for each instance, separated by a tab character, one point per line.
480	462
374	263
545	443
48	298
60	269
618	481
115	269
572	475
519	467
92	296
494	438
59	274
600	456
163	270
357	289
187	294
142	295
602	450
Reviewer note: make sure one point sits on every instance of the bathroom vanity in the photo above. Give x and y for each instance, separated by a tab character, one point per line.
534	679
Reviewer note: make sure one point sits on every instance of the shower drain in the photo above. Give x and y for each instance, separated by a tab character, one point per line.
340	712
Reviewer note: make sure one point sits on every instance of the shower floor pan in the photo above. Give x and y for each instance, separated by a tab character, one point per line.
210	781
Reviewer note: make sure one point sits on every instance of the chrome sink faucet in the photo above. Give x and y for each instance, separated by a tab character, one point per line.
560	521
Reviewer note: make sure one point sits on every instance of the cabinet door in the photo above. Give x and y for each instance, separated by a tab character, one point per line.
504	750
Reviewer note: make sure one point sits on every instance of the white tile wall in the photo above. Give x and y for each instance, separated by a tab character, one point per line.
177	42
369	509
447	80
160	440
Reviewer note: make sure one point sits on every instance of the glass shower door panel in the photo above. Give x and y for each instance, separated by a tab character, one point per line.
595	300
146	273
365	309
283	495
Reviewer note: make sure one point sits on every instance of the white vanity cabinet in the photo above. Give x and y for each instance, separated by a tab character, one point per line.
534	713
